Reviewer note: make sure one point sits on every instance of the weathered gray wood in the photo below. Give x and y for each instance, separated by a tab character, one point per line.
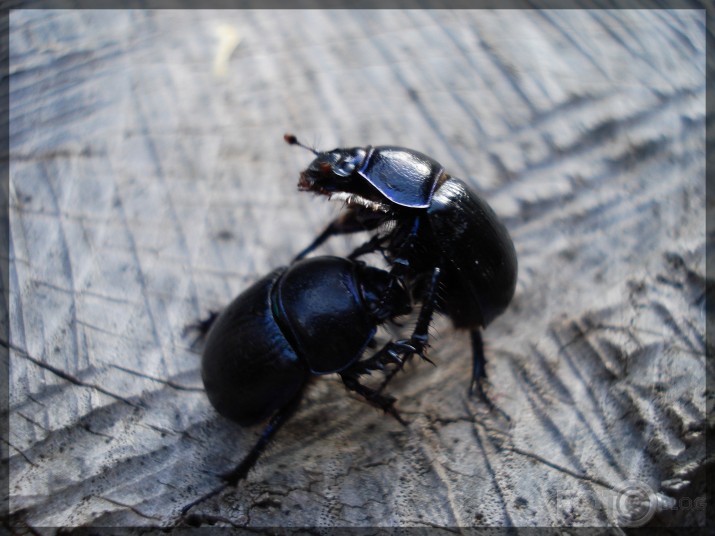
149	183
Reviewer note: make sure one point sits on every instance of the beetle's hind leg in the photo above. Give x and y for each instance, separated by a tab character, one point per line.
279	418
231	478
479	372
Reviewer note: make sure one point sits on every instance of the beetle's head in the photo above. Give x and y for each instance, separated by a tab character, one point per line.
335	174
332	171
374	285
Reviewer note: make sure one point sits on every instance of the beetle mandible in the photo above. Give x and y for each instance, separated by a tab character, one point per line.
444	242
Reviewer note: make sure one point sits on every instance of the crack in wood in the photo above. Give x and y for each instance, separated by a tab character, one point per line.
68	377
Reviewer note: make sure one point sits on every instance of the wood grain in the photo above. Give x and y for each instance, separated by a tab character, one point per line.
149	184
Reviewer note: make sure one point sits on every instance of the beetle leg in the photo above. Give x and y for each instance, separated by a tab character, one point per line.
201	327
478	361
377	361
406	238
393	351
278	420
417	342
232	477
479	372
350	221
372	396
421	332
374	244
389	354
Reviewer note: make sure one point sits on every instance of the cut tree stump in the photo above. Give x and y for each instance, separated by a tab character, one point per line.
150	184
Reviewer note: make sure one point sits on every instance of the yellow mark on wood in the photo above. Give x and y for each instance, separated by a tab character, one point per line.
228	40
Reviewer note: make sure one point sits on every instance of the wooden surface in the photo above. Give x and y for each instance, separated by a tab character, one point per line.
149	184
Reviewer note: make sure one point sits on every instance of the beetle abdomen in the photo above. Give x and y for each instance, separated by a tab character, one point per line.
249	369
480	266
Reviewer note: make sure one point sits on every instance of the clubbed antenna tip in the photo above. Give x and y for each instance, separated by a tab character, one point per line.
292	140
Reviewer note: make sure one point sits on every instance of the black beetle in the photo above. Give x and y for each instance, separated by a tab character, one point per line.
315	317
441	239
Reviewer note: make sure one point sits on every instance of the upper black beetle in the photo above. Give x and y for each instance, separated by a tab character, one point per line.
444	242
312	318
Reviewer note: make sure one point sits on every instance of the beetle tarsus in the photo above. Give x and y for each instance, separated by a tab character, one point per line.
372	396
377	361
200	328
478	364
479	373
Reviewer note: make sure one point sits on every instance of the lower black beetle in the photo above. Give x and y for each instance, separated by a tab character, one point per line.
441	239
315	317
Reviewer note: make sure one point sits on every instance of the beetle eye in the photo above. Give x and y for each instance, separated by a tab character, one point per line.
325	167
344	167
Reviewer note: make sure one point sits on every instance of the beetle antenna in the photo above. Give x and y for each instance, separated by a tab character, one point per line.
292	140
